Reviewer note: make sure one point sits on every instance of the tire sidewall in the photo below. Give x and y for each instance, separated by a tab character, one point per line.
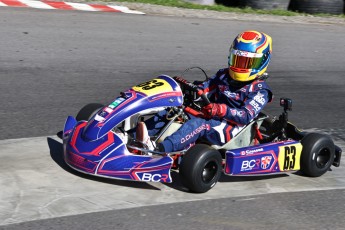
313	144
193	164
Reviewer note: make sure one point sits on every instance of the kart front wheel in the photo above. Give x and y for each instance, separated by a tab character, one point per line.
200	168
317	154
88	111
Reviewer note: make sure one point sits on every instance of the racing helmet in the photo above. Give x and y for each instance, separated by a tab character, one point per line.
249	55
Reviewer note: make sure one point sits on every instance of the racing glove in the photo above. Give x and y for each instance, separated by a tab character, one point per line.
214	110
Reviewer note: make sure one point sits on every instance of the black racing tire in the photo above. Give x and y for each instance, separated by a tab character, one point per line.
268	4
317	154
88	111
200	168
231	3
317	6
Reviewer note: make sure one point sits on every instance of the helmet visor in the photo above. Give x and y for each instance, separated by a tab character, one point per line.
245	60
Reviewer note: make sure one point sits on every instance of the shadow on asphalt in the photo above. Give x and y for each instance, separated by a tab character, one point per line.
176	182
56	153
177	185
225	178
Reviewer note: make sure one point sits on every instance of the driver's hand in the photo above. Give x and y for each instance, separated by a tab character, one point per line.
214	110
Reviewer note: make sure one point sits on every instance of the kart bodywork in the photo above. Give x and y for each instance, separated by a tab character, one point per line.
94	141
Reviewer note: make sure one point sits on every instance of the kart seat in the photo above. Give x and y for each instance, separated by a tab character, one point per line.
246	136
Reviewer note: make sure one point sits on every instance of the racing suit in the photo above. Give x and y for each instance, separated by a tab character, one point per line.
243	100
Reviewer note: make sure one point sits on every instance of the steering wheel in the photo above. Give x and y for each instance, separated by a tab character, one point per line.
188	86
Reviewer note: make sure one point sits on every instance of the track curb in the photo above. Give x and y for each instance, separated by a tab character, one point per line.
58	5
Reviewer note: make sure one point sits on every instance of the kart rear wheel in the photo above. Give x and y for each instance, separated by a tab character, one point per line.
317	154
201	168
88	111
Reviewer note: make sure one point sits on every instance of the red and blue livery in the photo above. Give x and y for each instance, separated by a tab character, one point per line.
98	141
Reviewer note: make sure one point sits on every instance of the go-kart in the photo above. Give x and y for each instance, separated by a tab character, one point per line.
96	141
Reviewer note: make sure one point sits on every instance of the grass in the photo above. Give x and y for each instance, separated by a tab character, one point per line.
220	8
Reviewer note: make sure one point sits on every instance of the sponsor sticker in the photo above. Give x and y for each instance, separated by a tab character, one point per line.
108	110
116	103
251	151
260	98
255	105
154	177
99	118
266	162
249	165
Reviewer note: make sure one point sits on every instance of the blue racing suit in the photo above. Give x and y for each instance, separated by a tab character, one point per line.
243	103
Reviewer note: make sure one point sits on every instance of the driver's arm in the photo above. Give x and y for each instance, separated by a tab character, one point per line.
209	87
254	103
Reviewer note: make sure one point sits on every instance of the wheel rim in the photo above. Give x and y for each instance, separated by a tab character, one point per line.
323	158
209	172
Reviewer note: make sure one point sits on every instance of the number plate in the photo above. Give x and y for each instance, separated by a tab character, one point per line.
153	87
289	157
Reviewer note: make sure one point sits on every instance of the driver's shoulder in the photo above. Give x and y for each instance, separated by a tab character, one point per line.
259	84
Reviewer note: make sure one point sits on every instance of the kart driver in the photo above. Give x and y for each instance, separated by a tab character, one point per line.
237	95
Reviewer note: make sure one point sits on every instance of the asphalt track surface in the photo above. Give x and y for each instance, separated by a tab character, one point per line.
54	62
